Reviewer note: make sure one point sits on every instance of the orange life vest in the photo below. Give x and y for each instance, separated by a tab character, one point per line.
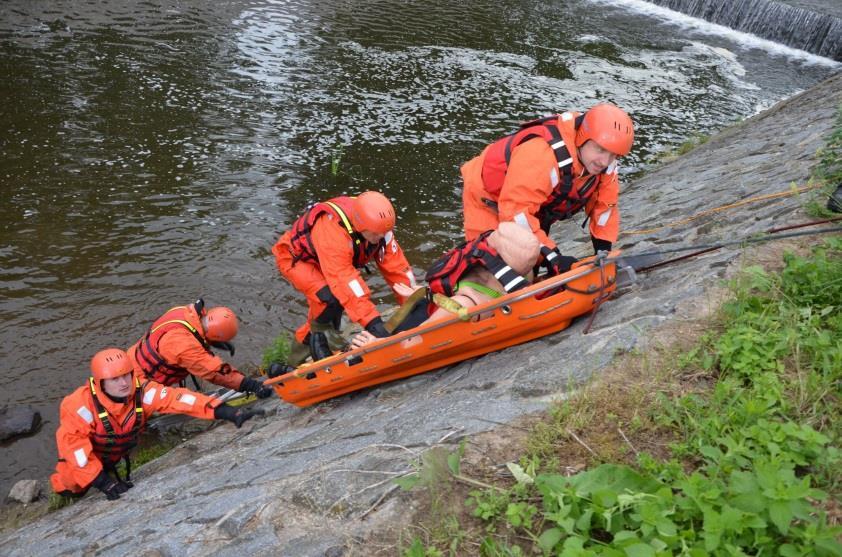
339	207
113	441
148	357
563	201
444	274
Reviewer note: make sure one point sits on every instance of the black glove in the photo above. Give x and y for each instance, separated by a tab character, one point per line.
277	369
227	346
235	415
376	327
600	245
557	263
109	486
250	385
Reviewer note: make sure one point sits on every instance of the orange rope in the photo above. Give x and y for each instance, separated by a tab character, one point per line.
793	191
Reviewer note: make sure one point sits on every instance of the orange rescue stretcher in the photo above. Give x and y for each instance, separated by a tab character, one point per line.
536	311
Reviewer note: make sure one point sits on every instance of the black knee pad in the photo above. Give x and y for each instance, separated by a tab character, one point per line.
333	312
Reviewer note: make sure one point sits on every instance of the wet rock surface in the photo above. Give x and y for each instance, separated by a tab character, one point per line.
316	481
25	491
18	420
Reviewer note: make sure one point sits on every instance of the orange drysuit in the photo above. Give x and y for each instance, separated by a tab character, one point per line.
175	347
530	179
333	272
84	443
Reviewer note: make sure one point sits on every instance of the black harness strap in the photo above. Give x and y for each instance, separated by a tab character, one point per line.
547	215
156	363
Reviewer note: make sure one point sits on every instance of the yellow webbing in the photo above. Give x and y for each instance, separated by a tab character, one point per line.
345	220
451	305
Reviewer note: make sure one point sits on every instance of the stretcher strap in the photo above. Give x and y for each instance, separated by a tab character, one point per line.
406	308
451	305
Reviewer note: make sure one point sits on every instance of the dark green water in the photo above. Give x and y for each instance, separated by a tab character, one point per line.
151	152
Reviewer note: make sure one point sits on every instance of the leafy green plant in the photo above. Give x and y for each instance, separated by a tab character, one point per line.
418	549
278	351
828	171
336	159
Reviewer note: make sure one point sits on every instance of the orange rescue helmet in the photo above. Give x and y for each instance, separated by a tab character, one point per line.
373	212
110	363
220	324
609	127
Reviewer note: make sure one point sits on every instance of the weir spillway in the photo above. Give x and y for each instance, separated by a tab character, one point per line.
811	25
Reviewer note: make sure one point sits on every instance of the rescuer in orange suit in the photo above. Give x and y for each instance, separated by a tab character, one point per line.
179	344
321	254
545	172
101	421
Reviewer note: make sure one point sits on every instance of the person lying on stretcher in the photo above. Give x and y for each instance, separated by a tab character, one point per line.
496	263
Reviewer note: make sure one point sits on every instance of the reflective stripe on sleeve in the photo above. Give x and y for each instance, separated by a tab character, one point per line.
81	457
356	288
86	414
502	272
508	287
566	116
187	399
149	396
603	218
522	221
554	177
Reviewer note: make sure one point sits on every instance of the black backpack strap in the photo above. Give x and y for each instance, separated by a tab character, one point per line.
565	165
509	146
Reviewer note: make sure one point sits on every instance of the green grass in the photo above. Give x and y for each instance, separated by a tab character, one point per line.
149	450
751	459
684	147
56	502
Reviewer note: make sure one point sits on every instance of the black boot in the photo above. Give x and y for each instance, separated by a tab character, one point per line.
834	203
277	369
319	347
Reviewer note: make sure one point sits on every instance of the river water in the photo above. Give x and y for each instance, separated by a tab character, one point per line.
152	151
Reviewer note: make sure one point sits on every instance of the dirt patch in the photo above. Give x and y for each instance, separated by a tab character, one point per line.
15	515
